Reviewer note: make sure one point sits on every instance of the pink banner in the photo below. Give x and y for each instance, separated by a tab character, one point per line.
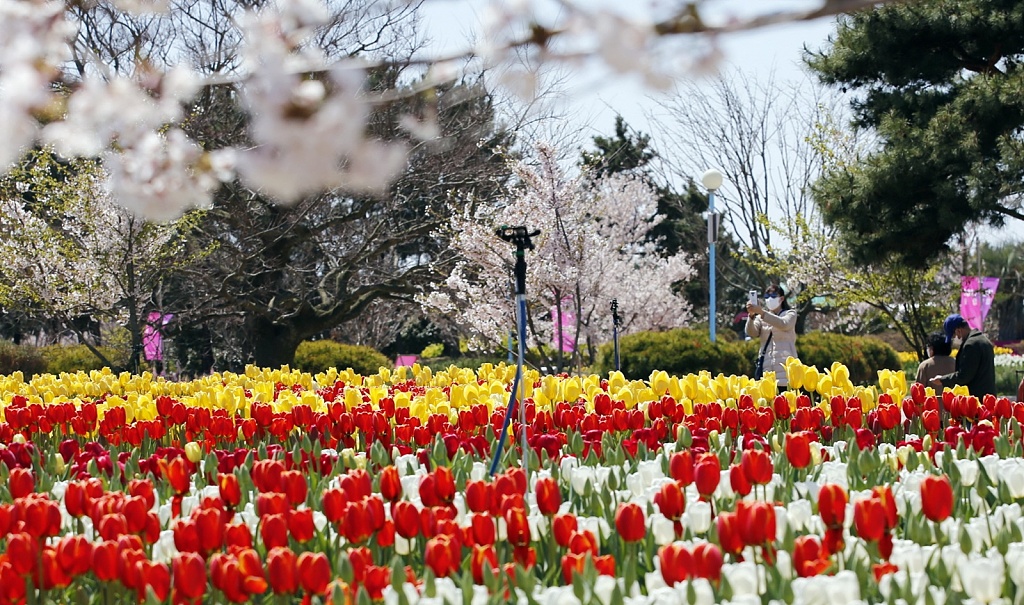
567	330
975	302
152	338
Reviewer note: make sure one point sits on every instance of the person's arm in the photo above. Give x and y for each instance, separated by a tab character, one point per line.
753	327
967	362
785	322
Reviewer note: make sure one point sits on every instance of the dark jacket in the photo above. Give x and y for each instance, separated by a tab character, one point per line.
975	366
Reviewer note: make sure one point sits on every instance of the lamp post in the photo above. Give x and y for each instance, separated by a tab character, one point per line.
712	179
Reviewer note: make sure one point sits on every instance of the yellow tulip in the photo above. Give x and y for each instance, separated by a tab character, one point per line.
810	378
193	452
825	385
659	382
769	386
795	373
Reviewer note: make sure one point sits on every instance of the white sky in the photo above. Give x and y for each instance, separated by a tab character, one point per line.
594	97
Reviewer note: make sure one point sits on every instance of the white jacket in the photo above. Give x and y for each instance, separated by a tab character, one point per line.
783	345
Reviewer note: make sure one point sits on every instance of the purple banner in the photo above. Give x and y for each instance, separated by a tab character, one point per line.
152	338
567	330
975	300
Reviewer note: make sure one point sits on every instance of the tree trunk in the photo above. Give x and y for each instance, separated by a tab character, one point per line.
273	344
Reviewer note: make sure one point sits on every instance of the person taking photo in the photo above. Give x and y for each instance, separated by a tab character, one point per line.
774	325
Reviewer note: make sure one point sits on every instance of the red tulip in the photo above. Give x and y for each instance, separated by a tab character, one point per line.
583	542
250	568
572	564
676	563
738	480
104	560
483	529
729	537
757	466
314	572
707	561
884	495
274	531
177	473
189	575
209	529
300	525
629	522
281	571
142	488
74	554
12	585
390	484
20	483
549	497
936	498
809	558
294	486
230	492
563	526
756	522
869	518
438	556
479	496
832	505
271	503
707	474
482	555
517	527
334	502
680	467
798	449
671	501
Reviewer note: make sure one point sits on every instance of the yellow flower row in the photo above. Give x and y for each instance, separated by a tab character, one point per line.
444	392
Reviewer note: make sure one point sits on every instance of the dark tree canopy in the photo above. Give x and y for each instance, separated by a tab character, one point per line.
940	83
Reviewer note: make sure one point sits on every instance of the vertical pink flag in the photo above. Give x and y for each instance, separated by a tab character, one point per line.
152	337
975	300
564	332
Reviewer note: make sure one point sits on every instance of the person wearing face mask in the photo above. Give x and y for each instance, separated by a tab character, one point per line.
975	361
774	325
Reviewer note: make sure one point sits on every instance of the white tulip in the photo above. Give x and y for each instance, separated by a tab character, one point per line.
603	589
983	578
698	515
742	577
799	514
968	472
662	528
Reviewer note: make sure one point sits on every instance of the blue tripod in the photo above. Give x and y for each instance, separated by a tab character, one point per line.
519	236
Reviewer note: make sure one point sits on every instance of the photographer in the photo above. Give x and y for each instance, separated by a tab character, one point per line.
774	325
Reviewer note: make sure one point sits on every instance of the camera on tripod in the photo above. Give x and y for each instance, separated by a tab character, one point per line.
520	236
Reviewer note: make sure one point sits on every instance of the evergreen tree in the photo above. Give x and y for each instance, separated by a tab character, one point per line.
940	83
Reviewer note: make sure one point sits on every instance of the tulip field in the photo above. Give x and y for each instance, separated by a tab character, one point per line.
276	486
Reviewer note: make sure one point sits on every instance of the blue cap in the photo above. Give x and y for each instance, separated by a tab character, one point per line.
953	322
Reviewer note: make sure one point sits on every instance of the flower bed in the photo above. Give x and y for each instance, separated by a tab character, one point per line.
279	486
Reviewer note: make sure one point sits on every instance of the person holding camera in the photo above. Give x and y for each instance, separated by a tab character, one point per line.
774	325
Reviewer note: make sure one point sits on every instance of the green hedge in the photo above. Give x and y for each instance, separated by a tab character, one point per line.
20	358
687	351
862	355
74	358
679	352
319	355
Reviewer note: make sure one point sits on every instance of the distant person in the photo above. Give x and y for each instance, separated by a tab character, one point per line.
778	322
975	361
939	361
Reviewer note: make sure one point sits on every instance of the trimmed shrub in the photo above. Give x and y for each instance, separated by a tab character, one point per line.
679	352
20	358
74	358
690	351
862	355
318	355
